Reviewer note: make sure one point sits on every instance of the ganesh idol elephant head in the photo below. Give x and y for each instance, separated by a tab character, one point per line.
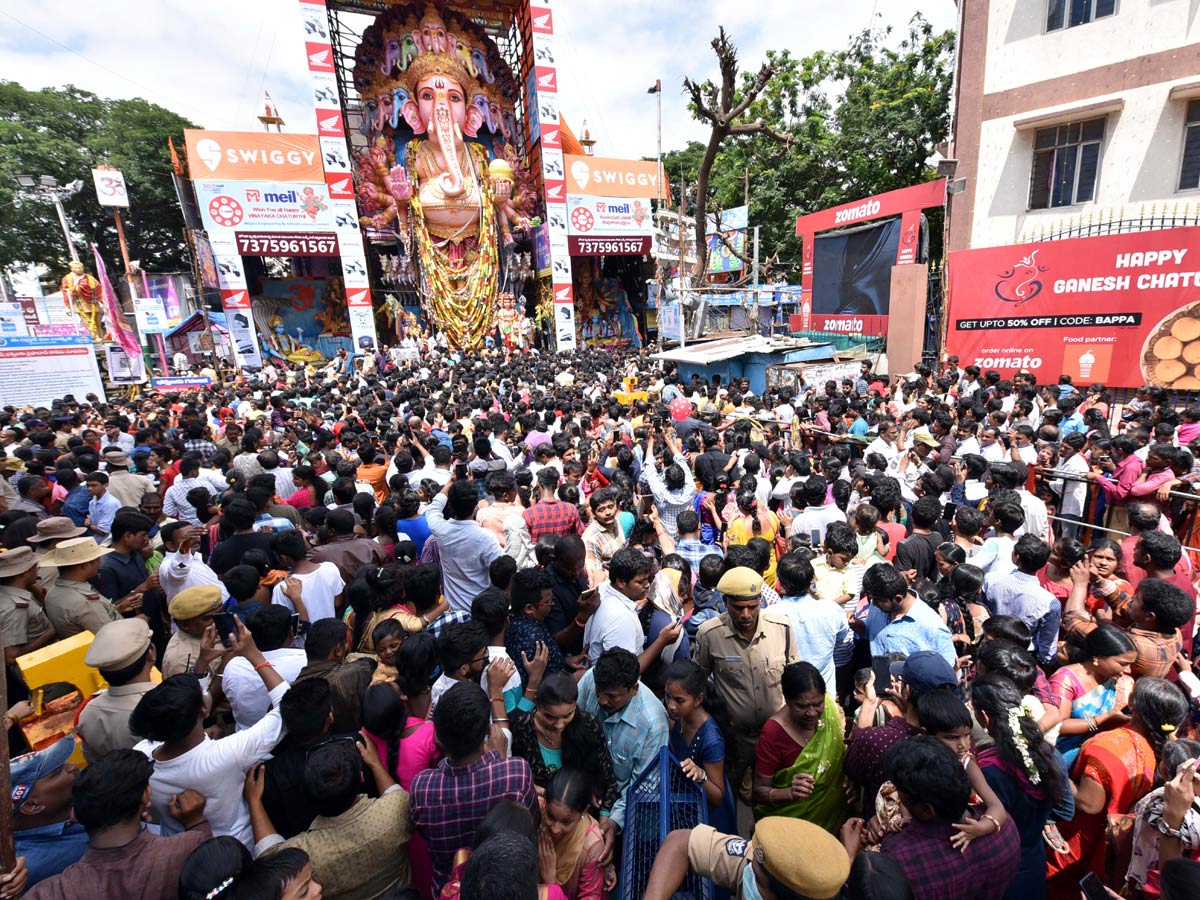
437	106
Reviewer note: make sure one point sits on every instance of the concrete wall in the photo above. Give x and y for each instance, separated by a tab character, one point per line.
1131	60
1021	51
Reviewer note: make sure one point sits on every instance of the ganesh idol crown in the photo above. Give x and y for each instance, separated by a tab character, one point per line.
442	171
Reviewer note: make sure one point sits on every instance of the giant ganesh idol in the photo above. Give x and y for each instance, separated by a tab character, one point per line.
442	172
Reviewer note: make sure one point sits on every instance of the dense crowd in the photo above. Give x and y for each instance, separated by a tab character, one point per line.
412	628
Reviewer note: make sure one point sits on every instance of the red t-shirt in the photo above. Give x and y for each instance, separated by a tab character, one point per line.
896	533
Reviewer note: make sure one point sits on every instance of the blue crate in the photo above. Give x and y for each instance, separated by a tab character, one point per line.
661	800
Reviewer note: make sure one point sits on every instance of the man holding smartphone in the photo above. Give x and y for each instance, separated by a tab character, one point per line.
193	610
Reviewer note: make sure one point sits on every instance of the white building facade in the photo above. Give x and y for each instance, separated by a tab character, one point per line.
1073	110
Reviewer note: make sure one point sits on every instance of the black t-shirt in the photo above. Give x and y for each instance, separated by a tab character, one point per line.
564	594
710	468
688	427
230	551
916	552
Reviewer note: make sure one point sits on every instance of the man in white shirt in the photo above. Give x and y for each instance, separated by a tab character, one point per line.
1071	481
436	467
115	436
271	627
967	442
317	585
819	627
284	485
886	446
615	623
817	514
990	447
175	502
181	566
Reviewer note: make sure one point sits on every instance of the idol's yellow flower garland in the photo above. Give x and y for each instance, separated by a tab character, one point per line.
464	313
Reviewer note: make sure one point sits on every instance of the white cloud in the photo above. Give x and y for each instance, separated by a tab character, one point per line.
611	52
210	60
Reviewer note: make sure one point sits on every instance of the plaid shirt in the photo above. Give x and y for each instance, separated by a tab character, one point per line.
1156	652
449	617
600	544
201	446
634	735
937	871
694	550
448	803
552	518
668	502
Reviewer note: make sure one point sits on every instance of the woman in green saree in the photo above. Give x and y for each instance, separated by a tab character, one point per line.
798	757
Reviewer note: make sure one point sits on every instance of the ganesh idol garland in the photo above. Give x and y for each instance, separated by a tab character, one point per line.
442	170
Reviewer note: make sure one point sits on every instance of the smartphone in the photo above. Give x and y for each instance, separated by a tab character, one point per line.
588	595
226	623
460	470
647	504
295	623
1093	887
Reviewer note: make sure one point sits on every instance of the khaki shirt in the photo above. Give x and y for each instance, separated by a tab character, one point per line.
747	673
181	654
129	487
21	617
360	853
720	857
104	721
73	606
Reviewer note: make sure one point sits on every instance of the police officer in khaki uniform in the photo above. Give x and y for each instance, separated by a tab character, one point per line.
23	624
124	654
72	604
50	533
745	650
193	610
126	486
787	859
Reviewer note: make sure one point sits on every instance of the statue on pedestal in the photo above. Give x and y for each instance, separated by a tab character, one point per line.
81	294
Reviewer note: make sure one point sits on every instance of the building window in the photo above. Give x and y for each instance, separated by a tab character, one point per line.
1066	161
1189	173
1069	13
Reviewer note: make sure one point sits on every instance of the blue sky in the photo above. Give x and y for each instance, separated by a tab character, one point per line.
211	59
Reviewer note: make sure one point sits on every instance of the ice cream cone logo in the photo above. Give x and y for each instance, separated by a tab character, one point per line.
1087	359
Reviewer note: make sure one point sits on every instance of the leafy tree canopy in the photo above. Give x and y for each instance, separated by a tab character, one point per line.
66	132
859	121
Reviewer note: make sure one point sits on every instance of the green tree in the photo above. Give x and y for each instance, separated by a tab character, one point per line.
861	121
66	132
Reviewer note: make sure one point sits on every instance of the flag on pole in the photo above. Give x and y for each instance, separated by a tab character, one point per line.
176	165
118	325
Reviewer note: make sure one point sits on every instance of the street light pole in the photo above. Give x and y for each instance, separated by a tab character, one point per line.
657	89
47	188
62	220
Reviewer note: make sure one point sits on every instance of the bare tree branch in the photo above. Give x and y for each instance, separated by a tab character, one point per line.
765	74
759	128
721	109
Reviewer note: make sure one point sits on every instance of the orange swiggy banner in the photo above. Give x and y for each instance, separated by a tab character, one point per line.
604	176
253	156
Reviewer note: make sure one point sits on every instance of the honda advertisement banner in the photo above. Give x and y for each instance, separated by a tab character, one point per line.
1122	309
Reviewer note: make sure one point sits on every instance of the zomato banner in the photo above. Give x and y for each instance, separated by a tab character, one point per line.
253	156
1123	309
604	176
